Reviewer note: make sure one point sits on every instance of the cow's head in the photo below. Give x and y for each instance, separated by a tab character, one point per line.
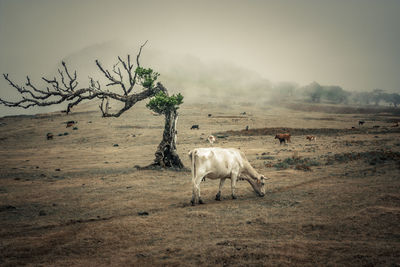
258	185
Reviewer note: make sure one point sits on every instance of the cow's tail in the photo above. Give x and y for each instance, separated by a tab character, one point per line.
192	156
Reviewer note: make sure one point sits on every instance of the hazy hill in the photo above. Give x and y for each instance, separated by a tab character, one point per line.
197	79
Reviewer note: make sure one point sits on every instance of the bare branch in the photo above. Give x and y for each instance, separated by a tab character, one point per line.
62	80
112	79
133	82
64	89
71	80
140	52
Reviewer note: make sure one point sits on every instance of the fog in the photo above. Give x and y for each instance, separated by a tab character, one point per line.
206	48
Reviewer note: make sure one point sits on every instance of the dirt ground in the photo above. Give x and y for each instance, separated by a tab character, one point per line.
79	200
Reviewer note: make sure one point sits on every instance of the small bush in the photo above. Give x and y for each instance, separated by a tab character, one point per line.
298	163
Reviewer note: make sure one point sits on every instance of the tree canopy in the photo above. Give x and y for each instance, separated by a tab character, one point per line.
161	103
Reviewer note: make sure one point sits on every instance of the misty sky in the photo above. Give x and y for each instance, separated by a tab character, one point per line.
353	44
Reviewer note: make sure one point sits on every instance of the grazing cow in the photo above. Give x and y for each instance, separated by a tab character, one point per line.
211	139
311	137
49	136
195	126
283	138
361	123
70	123
222	163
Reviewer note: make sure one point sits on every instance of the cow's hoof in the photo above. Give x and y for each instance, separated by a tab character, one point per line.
218	197
192	202
201	201
234	197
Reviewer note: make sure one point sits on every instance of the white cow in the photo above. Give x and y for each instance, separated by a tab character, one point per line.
211	139
222	163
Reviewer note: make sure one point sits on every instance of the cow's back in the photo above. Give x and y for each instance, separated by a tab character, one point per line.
216	162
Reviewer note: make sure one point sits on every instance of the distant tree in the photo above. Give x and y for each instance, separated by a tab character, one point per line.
362	98
286	89
393	99
314	91
335	94
64	89
377	95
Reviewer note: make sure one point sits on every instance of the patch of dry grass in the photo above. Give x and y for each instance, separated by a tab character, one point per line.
100	210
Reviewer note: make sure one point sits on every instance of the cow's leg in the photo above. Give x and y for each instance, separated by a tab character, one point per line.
234	177
193	201
196	195
221	183
196	190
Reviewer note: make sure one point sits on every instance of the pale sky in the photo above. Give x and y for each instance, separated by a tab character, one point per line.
351	43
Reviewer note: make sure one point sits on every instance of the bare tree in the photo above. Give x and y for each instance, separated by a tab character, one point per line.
64	89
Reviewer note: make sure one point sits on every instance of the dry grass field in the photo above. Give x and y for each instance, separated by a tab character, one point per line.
79	200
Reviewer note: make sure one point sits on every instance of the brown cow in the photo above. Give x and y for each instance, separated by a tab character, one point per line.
70	123
311	137
283	138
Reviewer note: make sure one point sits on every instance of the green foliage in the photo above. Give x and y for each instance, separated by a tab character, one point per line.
146	77
162	103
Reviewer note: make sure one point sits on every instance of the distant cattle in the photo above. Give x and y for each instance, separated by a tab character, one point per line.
211	139
243	113
396	124
222	163
195	126
49	136
209	115
360	123
70	123
283	138
311	138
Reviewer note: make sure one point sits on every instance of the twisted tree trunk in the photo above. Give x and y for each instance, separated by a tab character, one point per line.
166	155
